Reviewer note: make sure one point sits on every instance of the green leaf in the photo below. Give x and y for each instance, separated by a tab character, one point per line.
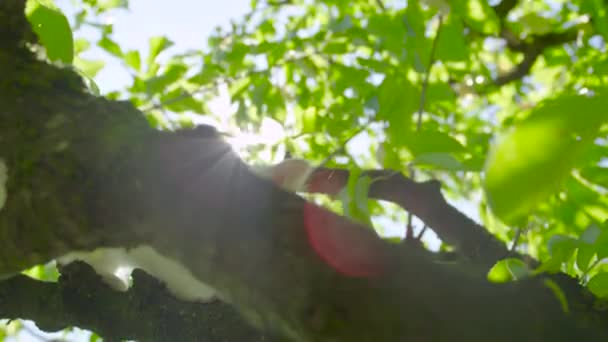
46	272
508	270
111	4
451	45
561	247
172	74
336	47
237	88
133	59
110	46
388	157
156	46
52	28
92	85
354	198
95	338
307	120
81	45
596	174
179	100
599	15
442	161
584	255
432	142
397	101
599	285
89	67
590	243
529	162
478	15
342	24
535	23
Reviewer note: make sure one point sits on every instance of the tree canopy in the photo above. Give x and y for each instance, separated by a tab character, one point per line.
410	112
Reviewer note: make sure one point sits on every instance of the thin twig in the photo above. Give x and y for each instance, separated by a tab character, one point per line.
422	231
342	146
409	232
425	82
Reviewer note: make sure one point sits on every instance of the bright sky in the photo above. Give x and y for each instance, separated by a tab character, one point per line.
187	23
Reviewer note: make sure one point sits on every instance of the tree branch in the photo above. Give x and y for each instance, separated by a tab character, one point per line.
145	312
425	201
504	8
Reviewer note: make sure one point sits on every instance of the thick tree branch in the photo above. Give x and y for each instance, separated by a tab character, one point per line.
425	201
146	312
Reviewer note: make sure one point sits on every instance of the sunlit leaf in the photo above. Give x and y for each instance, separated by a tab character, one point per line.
156	46
451	45
478	15
110	4
529	162
596	174
52	28
89	67
432	142
535	23
110	46
508	270
133	59
81	45
355	198
397	101
172	74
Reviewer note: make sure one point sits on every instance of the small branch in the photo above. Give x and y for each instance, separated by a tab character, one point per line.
532	51
342	146
520	70
422	231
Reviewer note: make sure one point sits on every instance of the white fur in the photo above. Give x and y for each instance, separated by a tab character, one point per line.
115	265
